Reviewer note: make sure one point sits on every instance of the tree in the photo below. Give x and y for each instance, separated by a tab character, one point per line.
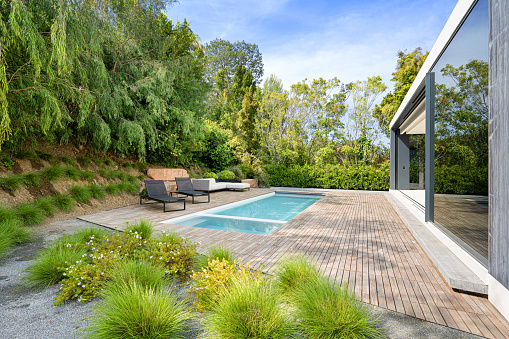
407	67
224	56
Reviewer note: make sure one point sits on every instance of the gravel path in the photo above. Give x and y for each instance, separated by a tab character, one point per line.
30	314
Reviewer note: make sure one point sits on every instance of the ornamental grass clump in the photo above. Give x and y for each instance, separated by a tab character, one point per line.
96	191
217	276
145	274
216	252
80	193
326	310
12	233
12	183
293	272
142	227
46	205
112	189
63	202
249	309
53	173
87	175
32	179
71	173
133	311
30	214
7	214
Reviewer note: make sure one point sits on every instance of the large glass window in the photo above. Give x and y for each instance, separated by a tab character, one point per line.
461	135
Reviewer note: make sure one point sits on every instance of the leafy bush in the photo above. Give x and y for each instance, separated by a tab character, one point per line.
32	179
209	283
293	272
80	193
96	191
132	311
30	214
226	175
46	205
210	175
142	227
12	183
53	173
363	177
87	175
327	311
238	173
250	309
63	202
457	179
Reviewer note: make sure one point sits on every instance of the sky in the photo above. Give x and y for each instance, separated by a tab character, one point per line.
298	39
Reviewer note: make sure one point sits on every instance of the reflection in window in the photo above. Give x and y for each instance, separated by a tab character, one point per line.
461	134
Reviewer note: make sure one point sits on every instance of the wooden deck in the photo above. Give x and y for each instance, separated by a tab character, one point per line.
358	240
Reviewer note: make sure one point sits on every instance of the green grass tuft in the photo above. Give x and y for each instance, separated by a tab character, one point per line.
142	273
45	156
122	176
127	165
87	175
142	227
327	311
46	205
96	191
32	179
53	173
112	189
71	173
63	202
293	272
80	193
109	162
7	214
30	214
84	160
107	173
49	266
12	232
67	160
82	236
12	183
249	309
219	252
132	311
130	188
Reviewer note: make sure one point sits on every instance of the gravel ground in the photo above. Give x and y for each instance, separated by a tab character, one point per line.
29	313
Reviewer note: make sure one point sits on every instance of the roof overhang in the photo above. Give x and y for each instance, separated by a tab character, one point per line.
416	92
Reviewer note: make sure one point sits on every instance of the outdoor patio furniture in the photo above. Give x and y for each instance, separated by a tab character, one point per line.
156	190
185	187
209	185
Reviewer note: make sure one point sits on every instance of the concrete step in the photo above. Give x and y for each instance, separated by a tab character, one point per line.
456	274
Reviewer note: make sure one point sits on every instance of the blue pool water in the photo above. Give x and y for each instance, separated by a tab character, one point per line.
262	216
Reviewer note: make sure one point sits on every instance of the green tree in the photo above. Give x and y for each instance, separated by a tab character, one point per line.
407	67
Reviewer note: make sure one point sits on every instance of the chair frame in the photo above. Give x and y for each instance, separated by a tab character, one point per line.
163	195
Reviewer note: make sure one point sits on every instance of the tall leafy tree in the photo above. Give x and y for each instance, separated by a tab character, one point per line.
407	67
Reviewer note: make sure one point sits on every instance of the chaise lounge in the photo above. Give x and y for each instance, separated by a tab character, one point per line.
209	185
185	187
156	190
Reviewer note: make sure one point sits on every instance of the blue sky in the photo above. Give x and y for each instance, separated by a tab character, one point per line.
322	38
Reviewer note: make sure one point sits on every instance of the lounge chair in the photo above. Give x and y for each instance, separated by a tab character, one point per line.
185	187
156	190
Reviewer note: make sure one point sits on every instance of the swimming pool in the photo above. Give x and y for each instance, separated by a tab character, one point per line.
259	215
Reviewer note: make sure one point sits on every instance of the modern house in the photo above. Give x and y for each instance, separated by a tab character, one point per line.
450	151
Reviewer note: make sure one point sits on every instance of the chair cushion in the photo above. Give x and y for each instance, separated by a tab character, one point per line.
237	185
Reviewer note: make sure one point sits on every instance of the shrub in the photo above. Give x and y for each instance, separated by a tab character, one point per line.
211	175
49	267
32	179
250	309
136	312
30	214
142	227
63	202
87	175
143	273
46	205
226	175
293	272
80	193
238	173
96	191
53	173
71	172
12	183
327	311
209	283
